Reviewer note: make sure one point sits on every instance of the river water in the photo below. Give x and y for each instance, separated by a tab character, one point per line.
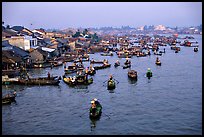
168	103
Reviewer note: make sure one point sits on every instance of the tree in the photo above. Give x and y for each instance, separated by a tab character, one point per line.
85	32
7	26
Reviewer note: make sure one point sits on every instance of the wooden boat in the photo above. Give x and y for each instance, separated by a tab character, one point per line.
127	66
124	56
159	54
149	74
70	69
95	114
57	63
91	72
195	49
8	98
83	60
7	81
111	84
102	67
41	65
141	54
132	74
106	54
116	64
38	81
158	63
96	62
175	48
79	80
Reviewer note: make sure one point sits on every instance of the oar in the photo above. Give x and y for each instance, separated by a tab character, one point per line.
105	81
116	81
83	114
107	115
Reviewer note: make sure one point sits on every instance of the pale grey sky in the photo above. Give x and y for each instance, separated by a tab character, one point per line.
62	15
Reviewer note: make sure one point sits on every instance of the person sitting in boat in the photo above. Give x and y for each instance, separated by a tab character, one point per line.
92	68
93	107
73	79
110	77
105	62
97	102
117	62
127	61
74	64
157	59
148	70
87	70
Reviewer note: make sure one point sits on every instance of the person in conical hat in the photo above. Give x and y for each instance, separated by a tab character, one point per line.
97	102
148	70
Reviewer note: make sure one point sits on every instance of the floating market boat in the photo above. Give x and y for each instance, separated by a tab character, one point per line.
116	64
132	74
77	80
149	74
7	99
111	84
94	114
127	66
91	72
106	54
39	81
96	62
102	67
158	63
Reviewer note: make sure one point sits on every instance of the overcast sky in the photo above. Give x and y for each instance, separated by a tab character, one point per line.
61	15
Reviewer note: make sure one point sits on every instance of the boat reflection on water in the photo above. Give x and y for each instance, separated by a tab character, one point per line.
94	121
132	81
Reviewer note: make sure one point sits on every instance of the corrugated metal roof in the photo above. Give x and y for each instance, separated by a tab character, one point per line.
48	49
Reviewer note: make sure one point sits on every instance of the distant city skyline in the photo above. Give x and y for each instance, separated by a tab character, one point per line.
62	15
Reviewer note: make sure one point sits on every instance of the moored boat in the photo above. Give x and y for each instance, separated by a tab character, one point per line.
102	67
38	81
7	99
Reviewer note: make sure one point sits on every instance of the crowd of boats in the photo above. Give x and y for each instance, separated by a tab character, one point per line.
81	75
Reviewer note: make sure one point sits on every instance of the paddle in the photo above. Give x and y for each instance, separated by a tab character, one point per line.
105	81
107	115
83	114
116	81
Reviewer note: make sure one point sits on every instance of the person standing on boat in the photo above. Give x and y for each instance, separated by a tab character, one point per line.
148	70
48	75
64	65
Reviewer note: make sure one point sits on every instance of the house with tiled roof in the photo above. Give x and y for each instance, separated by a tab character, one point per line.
14	57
